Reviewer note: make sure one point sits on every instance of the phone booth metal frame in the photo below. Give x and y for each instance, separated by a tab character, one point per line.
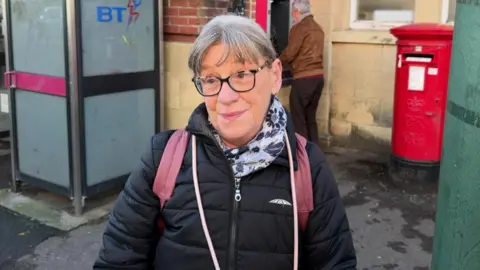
89	102
263	16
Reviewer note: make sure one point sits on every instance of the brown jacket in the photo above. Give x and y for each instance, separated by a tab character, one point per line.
304	52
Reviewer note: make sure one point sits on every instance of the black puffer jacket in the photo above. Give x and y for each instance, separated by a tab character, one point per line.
253	234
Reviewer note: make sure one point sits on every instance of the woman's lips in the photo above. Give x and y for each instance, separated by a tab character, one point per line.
233	115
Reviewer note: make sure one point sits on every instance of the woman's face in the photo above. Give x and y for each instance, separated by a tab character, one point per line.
239	116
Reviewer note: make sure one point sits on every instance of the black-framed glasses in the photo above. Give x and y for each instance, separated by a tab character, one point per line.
242	81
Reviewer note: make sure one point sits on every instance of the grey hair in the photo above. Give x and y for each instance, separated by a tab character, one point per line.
243	39
302	6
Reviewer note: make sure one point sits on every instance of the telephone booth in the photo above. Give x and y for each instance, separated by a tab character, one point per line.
84	80
275	17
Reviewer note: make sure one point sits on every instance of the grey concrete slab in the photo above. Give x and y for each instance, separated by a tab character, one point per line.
59	216
48	208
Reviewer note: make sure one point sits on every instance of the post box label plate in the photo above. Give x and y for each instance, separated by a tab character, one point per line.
416	78
432	71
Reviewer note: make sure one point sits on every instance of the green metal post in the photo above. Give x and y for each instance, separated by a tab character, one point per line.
457	231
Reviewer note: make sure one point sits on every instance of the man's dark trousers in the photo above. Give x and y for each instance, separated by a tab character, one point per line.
304	98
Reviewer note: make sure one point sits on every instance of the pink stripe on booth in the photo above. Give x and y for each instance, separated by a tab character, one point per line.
261	13
36	83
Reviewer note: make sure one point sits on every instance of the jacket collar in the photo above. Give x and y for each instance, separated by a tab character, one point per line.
199	126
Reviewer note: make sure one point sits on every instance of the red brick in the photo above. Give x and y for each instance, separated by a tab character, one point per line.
221	4
211	12
188	12
178	21
197	21
179	3
188	30
196	3
171	29
172	11
185	17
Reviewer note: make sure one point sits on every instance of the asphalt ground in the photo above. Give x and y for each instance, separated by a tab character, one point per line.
19	236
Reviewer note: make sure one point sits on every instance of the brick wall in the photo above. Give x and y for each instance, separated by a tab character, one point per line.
184	18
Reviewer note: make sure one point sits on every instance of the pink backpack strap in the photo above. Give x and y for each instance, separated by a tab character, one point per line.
303	183
170	165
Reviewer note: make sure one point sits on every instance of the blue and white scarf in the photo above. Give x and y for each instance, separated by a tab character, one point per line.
264	148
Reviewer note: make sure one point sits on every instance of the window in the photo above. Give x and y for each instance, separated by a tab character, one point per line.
381	14
448	11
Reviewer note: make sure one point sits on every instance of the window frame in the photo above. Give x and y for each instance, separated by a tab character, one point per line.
445	11
368	24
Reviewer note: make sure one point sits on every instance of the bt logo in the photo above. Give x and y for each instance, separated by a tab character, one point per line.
110	13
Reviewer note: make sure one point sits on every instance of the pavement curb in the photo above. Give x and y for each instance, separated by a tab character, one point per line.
49	215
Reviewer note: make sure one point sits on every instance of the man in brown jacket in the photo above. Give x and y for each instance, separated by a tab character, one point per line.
304	55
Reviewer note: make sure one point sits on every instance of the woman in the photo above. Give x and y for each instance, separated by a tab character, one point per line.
240	132
304	55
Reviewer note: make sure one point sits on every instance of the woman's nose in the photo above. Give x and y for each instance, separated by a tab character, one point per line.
227	95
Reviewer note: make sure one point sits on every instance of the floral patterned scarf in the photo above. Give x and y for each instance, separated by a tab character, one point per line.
264	148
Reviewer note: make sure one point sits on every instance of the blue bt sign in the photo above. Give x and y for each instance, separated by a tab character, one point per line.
116	13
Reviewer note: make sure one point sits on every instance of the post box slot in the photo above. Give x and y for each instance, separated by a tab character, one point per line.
419	58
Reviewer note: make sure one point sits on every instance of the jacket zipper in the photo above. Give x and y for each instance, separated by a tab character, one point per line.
233	223
237	197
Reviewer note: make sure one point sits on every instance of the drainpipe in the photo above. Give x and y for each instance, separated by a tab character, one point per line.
457	237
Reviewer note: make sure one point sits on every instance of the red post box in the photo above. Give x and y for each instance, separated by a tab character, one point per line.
421	83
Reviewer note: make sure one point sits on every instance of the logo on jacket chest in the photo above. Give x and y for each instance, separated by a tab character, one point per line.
281	202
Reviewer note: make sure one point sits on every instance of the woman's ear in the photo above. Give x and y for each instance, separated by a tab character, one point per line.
276	76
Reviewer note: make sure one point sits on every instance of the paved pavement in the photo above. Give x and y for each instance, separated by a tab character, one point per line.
392	226
19	235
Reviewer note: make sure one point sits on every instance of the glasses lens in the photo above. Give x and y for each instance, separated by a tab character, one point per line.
208	85
242	81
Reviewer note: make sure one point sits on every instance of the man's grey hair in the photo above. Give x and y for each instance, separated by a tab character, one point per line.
303	6
241	37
